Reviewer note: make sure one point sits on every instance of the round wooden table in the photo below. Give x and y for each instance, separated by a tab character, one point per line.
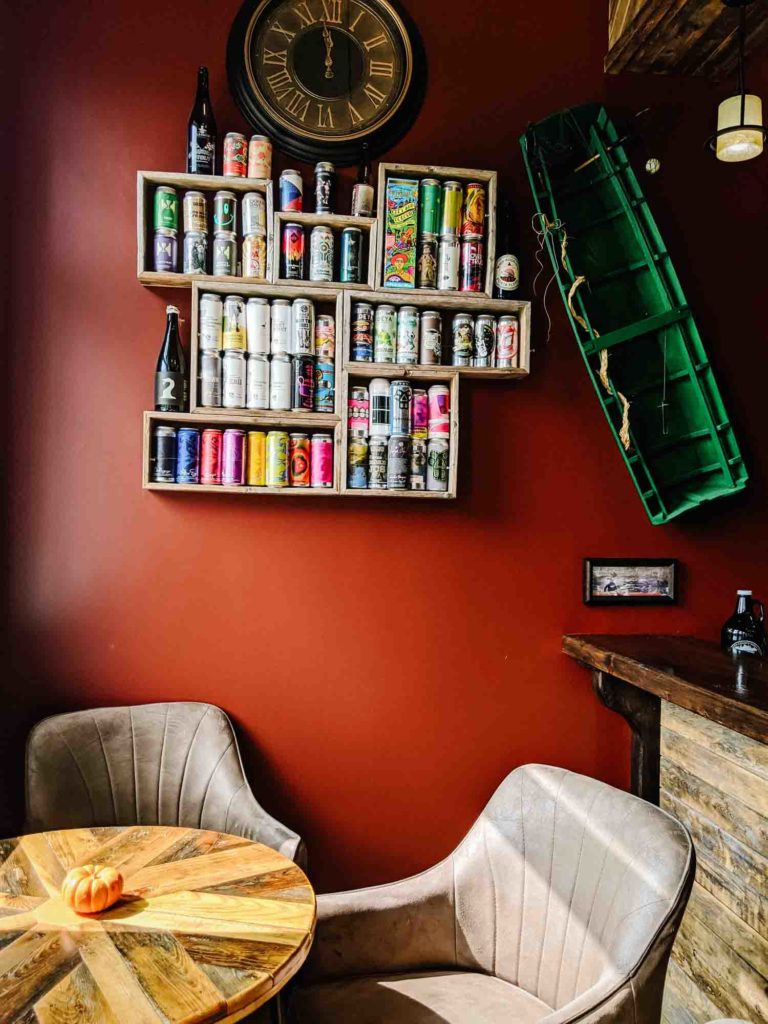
210	927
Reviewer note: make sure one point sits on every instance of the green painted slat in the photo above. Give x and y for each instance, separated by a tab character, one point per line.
637	330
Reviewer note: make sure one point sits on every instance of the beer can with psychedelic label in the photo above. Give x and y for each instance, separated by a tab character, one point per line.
398	462
291	191
278	461
378	423
210	321
418	466
321	461
507	334
257	326
407	335
195	212
426	263
325	386
256	473
257	381
448	259
259	157
210	456
378	450
293	252
280	343
188	459
358	411
302	328
299	457
463	332
166	208
233	333
472	265
325	337
400	394
437	464
195	252
235	159
431	338
233	379
473	219
224	254
439	397
362	332
419	413
357	462
209	378
303	384
429	206
233	457
280	383
224	211
485	340
254	214
321	253
384	334
450	208
255	256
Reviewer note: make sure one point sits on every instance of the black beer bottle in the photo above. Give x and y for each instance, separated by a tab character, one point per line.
171	374
506	278
201	133
744	632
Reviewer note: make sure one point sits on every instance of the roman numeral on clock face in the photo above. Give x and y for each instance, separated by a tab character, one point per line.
332	11
374	95
382	68
298	105
277	27
279	57
281	82
303	12
324	116
374	41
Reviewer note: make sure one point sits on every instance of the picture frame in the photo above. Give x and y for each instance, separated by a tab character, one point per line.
630	581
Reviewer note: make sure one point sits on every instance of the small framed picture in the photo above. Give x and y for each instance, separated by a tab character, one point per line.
630	581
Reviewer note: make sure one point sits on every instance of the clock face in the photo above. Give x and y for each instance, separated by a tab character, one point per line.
324	76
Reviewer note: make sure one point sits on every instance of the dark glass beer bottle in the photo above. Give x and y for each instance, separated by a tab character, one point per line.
507	275
171	375
201	132
744	632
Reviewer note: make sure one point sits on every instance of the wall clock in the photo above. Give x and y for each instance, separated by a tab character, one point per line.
322	77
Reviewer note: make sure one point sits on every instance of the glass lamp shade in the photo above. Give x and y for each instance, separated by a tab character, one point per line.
737	142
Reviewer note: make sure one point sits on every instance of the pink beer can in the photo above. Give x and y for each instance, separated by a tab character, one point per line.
439	397
419	413
507	336
321	460
233	458
259	157
235	162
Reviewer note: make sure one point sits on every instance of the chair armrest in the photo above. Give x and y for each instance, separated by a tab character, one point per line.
246	817
406	925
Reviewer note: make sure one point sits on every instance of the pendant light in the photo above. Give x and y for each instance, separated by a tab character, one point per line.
740	132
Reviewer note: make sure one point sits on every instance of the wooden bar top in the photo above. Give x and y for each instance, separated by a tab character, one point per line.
694	674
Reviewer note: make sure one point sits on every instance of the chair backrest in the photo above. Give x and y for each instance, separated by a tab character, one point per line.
564	882
151	764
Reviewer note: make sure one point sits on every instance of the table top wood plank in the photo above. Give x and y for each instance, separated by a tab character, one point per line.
76	998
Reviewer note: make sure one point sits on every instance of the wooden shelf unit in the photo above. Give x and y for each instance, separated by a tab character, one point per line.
148	181
448	304
419	171
337	222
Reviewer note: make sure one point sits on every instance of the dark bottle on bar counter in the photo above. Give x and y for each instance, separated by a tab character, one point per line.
201	133
171	374
744	632
506	278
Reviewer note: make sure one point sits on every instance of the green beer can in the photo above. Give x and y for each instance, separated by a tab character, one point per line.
429	206
166	208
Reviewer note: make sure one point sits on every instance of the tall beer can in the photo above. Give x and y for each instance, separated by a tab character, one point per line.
209	378
407	335
280	382
426	264
224	254
293	252
419	413
507	332
448	259
384	334
166	251
321	254
437	464
233	379
233	457
278	469
164	455
450	210
439	397
195	212
224	211
485	340
358	407
473	219
351	259
430	338
257	326
302	327
429	206
280	343
188	459
400	394
299	455
321	462
325	386
166	208
233	334
254	214
357	462
303	383
398	462
418	466
463	331
378	449
325	337
210	456
195	252
210	321
472	265
235	160
379	407
291	191
324	181
254	261
259	157
256	473
257	381
362	332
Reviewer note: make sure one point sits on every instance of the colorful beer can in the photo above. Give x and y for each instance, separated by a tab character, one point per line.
303	383
166	251
257	326
225	254
224	211
351	268
357	462
473	219
507	339
209	378
233	457
293	252
325	337
195	252
429	207
188	456
259	157
254	214
362	332
439	397
437	464
378	450
401	205
235	160
165	446
485	340
321	461
278	470
280	382
257	381
400	395
450	208
321	253
233	379
419	413
256	472
418	466
195	212
255	256
430	338
378	423
291	191
299	459
166	209
407	335
324	179
302	328
210	327
210	456
472	265
427	262
280	330
233	322
448	259
384	334
398	462
325	386
358	408
463	330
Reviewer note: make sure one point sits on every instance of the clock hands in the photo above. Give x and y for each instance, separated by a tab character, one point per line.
328	47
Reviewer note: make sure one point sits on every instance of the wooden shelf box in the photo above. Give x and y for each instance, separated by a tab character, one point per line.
336	222
148	181
462	174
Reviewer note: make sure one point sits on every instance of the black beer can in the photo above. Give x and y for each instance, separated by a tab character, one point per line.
303	383
351	255
324	174
164	456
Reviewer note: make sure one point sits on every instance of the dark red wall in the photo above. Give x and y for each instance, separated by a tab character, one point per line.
386	664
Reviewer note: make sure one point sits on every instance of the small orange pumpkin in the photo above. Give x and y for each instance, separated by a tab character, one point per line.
92	888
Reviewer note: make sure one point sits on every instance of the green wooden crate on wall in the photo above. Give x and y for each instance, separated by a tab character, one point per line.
677	441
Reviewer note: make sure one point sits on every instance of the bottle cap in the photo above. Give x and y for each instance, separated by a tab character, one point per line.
175	309
744	593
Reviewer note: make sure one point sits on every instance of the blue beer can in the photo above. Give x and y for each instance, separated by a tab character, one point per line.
188	458
325	380
400	394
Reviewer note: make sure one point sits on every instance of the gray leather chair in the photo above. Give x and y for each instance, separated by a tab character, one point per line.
561	904
150	764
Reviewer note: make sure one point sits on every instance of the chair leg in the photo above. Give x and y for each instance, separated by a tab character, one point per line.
276	1008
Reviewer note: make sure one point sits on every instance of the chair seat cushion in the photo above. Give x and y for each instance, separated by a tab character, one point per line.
453	997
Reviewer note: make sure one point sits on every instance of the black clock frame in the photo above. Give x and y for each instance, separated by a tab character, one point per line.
341	153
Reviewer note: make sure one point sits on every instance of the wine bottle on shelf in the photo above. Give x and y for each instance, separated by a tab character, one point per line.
362	193
201	132
507	276
171	386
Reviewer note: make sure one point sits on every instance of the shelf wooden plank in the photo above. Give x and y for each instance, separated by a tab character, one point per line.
352	492
156	279
278	492
250	418
408	370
